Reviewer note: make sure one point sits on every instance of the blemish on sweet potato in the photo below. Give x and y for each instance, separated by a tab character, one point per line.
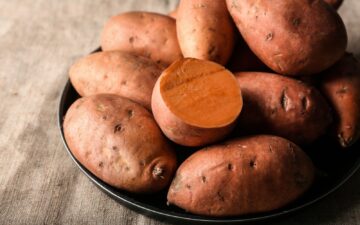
221	197
117	128
131	40
342	90
296	22
142	163
130	113
203	179
123	82
304	104
252	163
158	172
269	36
211	50
284	100
100	107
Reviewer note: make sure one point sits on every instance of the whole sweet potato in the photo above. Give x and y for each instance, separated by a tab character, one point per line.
292	37
205	30
119	142
118	73
143	33
341	86
282	106
196	102
246	175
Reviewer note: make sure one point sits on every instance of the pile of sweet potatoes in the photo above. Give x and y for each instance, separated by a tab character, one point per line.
210	71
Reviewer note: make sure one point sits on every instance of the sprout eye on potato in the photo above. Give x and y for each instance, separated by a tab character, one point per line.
119	142
246	175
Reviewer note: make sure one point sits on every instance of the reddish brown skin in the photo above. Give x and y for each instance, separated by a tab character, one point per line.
292	37
178	131
143	33
119	142
243	59
341	86
282	106
116	72
205	30
247	175
334	3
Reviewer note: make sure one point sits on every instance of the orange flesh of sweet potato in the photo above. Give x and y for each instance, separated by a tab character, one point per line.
196	90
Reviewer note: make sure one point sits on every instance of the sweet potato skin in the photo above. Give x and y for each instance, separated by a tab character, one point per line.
116	72
142	33
282	106
247	175
205	30
293	37
341	86
119	142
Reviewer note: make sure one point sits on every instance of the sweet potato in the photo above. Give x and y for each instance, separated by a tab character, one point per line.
246	175
196	102
118	73
292	37
282	106
205	30
143	33
119	142
334	3
341	85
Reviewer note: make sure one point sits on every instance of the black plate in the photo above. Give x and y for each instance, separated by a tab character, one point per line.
335	166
